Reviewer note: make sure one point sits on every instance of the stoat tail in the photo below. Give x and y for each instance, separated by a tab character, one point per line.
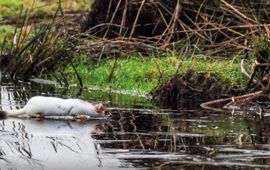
12	113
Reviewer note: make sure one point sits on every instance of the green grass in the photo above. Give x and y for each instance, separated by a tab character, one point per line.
10	7
144	74
6	31
13	7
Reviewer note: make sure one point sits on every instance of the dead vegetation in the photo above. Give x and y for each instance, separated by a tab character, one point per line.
190	89
216	27
258	86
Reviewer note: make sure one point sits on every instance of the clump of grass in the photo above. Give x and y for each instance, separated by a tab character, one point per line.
229	70
145	74
38	50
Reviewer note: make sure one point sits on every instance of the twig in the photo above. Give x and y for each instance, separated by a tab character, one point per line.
237	11
244	98
111	22
111	72
136	19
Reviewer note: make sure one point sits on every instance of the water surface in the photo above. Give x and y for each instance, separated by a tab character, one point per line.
138	135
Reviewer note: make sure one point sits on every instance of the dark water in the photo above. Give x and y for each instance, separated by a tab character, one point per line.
136	136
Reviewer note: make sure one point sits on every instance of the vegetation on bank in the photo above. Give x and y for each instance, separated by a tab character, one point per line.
145	74
136	73
6	31
12	7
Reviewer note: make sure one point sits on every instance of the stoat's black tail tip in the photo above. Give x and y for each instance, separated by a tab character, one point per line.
3	114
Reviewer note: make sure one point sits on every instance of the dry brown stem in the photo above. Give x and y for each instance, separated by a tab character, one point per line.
234	100
215	27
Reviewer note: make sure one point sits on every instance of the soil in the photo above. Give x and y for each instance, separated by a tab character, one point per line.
191	88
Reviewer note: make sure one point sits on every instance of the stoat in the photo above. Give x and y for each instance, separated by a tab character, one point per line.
41	106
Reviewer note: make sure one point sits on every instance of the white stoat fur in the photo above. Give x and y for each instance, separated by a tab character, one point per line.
53	106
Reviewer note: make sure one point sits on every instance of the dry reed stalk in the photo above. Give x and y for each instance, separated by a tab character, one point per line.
203	23
41	50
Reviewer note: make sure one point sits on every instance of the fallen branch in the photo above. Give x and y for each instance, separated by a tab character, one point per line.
236	100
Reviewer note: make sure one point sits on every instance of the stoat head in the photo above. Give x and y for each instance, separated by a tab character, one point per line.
102	110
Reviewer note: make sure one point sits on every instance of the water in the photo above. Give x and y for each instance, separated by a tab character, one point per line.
136	136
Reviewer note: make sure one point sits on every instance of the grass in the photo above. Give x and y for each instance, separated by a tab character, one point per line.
144	74
6	31
12	7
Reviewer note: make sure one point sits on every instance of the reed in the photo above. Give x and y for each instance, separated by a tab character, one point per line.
219	27
39	50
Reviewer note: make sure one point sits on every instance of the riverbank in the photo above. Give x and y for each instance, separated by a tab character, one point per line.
144	74
136	73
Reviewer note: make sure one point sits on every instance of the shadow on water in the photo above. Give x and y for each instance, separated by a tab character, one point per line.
136	136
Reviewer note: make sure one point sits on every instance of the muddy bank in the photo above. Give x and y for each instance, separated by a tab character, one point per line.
192	88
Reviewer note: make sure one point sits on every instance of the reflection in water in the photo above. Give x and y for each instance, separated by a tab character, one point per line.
191	140
45	144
